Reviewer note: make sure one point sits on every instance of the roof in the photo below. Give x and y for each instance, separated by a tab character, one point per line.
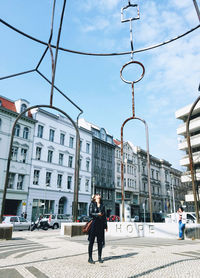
8	104
117	142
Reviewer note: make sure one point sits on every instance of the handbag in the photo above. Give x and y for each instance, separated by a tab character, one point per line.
86	228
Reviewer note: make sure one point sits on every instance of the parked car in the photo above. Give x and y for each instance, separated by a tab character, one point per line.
113	218
173	217
55	220
19	223
157	217
83	218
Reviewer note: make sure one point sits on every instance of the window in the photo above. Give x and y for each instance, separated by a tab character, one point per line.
87	148
0	123
36	176
25	133
11	180
14	153
20	182
60	161
87	165
118	167
62	138
48	178
70	161
79	184
69	182
50	156
23	107
59	181
51	135
118	181
87	185
81	144
157	177
17	130
23	155
152	174
71	142
40	131
38	153
80	162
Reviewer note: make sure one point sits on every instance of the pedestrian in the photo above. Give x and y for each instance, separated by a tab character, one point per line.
181	222
97	213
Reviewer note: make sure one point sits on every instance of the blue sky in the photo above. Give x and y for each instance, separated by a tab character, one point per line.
172	71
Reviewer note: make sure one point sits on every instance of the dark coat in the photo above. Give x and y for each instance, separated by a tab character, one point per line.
99	222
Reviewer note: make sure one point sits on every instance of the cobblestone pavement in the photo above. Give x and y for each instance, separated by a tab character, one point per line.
43	254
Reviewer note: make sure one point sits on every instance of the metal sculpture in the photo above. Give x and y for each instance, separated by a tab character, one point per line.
77	156
133	110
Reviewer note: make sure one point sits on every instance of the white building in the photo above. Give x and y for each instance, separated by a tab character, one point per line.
131	182
19	174
194	129
51	187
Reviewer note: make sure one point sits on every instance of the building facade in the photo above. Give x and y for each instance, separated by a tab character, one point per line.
103	165
51	187
20	167
194	129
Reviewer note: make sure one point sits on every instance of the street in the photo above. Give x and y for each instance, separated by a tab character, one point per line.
47	254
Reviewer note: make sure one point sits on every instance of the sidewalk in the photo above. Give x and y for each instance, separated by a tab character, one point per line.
44	254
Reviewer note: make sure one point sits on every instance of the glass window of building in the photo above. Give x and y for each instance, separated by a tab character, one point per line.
81	145
36	176
23	155
17	130
62	139
87	165
87	185
14	153
71	142
40	131
11	180
50	156
51	135
70	161
23	107
48	179
61	157
88	148
25	133
69	182
38	153
59	181
20	182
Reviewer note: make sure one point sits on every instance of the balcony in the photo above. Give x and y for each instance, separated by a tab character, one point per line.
186	177
194	126
195	142
185	160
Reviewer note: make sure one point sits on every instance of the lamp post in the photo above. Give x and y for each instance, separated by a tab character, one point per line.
173	197
170	199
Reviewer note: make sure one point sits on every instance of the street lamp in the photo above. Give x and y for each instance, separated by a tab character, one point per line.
170	199
174	206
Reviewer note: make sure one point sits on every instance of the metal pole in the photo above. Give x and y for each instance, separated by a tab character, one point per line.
122	172
194	187
173	197
197	9
144	212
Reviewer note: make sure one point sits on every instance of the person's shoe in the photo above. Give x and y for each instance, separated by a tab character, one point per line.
90	260
100	260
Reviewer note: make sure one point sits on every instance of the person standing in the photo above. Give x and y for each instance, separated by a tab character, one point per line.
97	213
181	222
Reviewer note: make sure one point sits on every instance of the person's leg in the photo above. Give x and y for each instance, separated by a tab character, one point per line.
180	230
100	246
183	230
90	248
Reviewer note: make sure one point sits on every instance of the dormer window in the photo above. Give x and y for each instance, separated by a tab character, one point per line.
0	103
23	107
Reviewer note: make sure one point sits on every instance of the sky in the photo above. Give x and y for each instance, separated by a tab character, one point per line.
171	77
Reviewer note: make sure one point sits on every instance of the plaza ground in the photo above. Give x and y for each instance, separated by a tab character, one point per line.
43	254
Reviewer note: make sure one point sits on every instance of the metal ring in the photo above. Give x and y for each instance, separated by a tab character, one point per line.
132	62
